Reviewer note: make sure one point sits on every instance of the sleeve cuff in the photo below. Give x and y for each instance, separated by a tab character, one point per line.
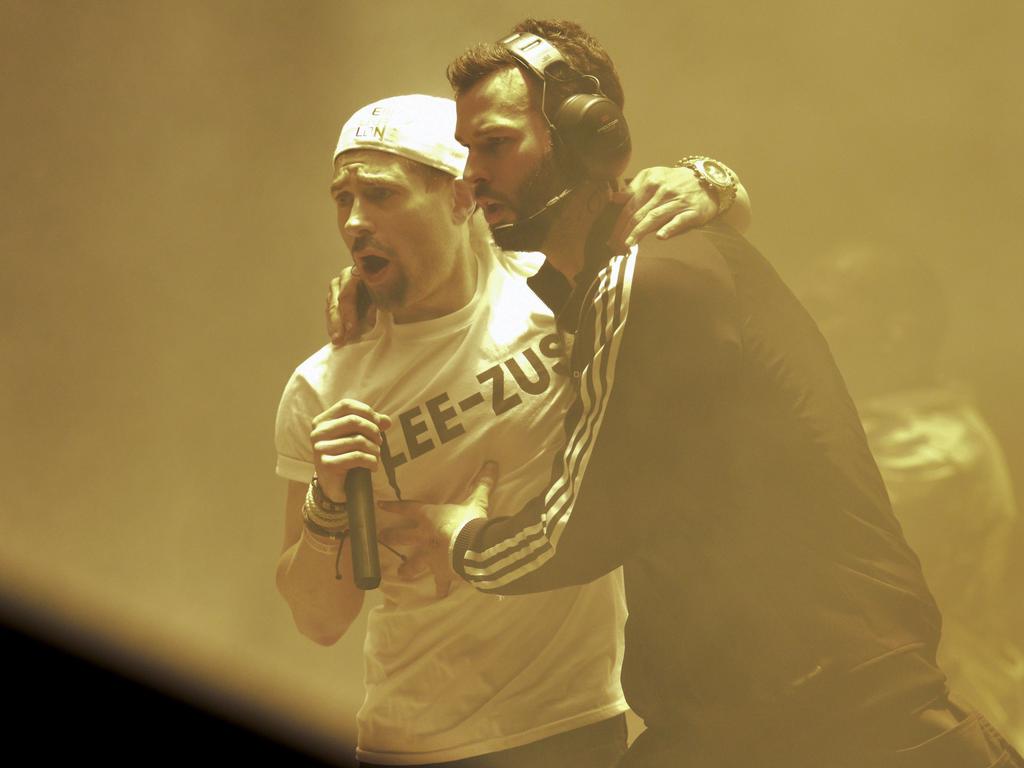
294	469
460	542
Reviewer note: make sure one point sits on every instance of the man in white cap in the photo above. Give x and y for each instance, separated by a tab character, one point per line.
461	353
467	361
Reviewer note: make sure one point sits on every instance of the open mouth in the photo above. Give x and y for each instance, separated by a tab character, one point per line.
494	212
372	265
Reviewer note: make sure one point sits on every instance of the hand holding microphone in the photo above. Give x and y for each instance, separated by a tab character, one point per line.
346	440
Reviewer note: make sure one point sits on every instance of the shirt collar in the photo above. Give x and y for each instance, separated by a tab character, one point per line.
554	290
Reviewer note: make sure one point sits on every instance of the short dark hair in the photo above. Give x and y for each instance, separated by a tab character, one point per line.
580	50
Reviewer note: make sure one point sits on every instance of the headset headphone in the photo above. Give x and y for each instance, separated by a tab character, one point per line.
589	127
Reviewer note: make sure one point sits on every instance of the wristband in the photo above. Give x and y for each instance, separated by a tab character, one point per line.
321	500
324	520
317	545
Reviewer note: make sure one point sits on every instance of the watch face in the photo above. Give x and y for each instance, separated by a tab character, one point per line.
717	173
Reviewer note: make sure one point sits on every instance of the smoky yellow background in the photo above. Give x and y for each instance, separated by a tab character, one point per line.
167	238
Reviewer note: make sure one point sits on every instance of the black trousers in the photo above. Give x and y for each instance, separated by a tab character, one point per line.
600	745
973	742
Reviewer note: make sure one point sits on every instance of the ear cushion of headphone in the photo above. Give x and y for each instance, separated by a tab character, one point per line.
593	130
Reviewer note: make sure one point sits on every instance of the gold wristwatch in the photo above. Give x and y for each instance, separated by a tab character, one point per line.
715	177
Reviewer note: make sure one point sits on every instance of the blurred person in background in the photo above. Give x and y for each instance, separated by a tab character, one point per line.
886	318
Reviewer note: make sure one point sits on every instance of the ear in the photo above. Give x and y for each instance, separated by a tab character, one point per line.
463	202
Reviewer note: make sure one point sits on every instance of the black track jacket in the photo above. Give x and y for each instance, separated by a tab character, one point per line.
713	451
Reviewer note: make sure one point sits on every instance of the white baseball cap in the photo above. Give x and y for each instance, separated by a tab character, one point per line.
417	127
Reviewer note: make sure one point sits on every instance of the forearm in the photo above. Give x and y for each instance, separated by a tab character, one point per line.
323	606
550	560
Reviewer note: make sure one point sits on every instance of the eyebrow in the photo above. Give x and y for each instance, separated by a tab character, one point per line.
494	128
363	176
487	130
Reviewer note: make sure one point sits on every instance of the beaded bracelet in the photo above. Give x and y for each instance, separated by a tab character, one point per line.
326	504
332	518
331	525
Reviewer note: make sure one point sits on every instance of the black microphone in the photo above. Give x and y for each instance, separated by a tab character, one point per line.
362	526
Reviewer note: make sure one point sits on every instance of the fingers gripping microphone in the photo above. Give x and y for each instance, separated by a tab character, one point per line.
362	528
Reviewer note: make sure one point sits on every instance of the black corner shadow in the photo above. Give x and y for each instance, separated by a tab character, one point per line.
62	707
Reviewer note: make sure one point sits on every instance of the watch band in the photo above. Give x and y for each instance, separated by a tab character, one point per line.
715	177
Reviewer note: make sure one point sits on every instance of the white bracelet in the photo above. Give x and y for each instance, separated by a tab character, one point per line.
326	522
317	545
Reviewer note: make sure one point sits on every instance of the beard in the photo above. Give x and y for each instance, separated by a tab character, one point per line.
533	217
390	296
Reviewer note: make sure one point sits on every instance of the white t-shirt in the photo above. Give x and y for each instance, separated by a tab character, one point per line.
470	673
